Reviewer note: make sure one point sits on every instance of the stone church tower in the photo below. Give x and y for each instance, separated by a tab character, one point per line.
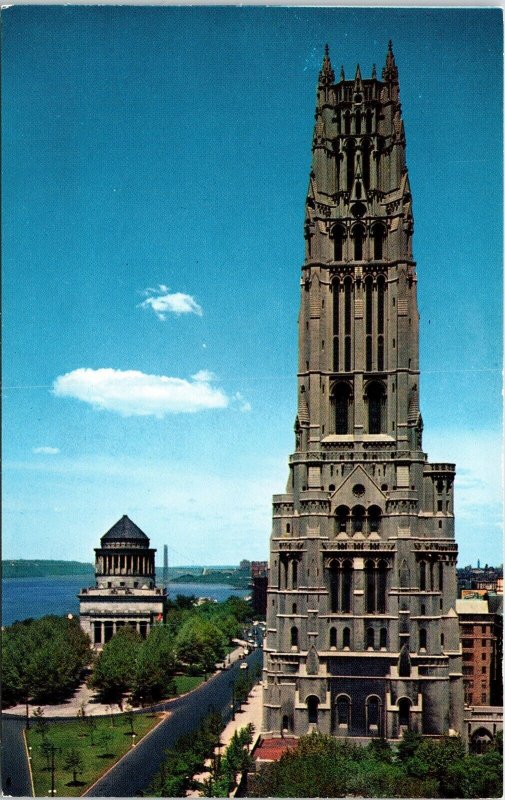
362	636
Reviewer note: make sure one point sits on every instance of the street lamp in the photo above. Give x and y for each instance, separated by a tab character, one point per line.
133	739
29	753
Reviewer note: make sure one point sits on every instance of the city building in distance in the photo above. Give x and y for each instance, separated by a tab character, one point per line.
362	632
125	591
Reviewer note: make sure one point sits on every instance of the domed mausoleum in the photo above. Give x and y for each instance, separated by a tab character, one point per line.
125	591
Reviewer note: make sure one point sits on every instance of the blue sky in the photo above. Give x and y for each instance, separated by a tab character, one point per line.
155	165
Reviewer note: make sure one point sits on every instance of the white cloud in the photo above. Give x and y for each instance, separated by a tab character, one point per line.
133	393
243	404
46	451
162	302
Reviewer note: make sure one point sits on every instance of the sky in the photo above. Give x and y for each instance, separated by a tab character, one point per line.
155	167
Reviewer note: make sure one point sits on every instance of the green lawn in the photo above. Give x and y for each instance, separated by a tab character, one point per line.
99	746
185	683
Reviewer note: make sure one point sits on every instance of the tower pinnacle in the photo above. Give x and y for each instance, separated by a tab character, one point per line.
326	76
390	71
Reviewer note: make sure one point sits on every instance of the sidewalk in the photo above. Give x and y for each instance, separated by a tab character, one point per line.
86	697
252	711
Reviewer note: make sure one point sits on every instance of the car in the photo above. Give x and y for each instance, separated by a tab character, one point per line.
244	665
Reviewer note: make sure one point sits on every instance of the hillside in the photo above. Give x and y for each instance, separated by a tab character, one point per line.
22	568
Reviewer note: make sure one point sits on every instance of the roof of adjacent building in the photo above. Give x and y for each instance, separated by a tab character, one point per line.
125	529
472	606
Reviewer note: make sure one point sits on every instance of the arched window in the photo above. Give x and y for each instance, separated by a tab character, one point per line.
343	710
341	404
368	125
423	610
358	235
378	241
383	638
422	639
422	575
293	608
370	638
347	122
313	708
358	519
285	722
404	712
373	722
294	636
440	576
374	516
335	578
358	123
346	639
376	398
338	242
333	638
341	515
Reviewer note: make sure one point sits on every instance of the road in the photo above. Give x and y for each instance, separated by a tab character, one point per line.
15	772
133	774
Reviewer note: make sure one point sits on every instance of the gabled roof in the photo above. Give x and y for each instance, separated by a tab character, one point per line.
125	529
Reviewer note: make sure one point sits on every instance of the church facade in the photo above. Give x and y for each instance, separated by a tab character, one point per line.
362	635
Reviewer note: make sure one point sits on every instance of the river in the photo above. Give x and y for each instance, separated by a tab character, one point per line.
36	597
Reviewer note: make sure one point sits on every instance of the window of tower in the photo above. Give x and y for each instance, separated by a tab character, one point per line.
312	708
341	402
294	574
336	323
294	636
422	639
373	715
358	236
370	639
382	568
404	712
293	608
358	519
378	242
358	122
422	576
368	123
347	122
343	710
374	516
383	638
346	639
338	242
333	638
365	157
341	515
350	163
376	398
346	586
370	586
440	576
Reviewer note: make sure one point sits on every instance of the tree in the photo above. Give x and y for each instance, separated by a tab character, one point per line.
104	740
199	645
73	761
41	724
115	668
47	750
155	666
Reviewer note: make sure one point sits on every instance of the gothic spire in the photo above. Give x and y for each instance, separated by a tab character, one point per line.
358	85
342	73
390	71
326	76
